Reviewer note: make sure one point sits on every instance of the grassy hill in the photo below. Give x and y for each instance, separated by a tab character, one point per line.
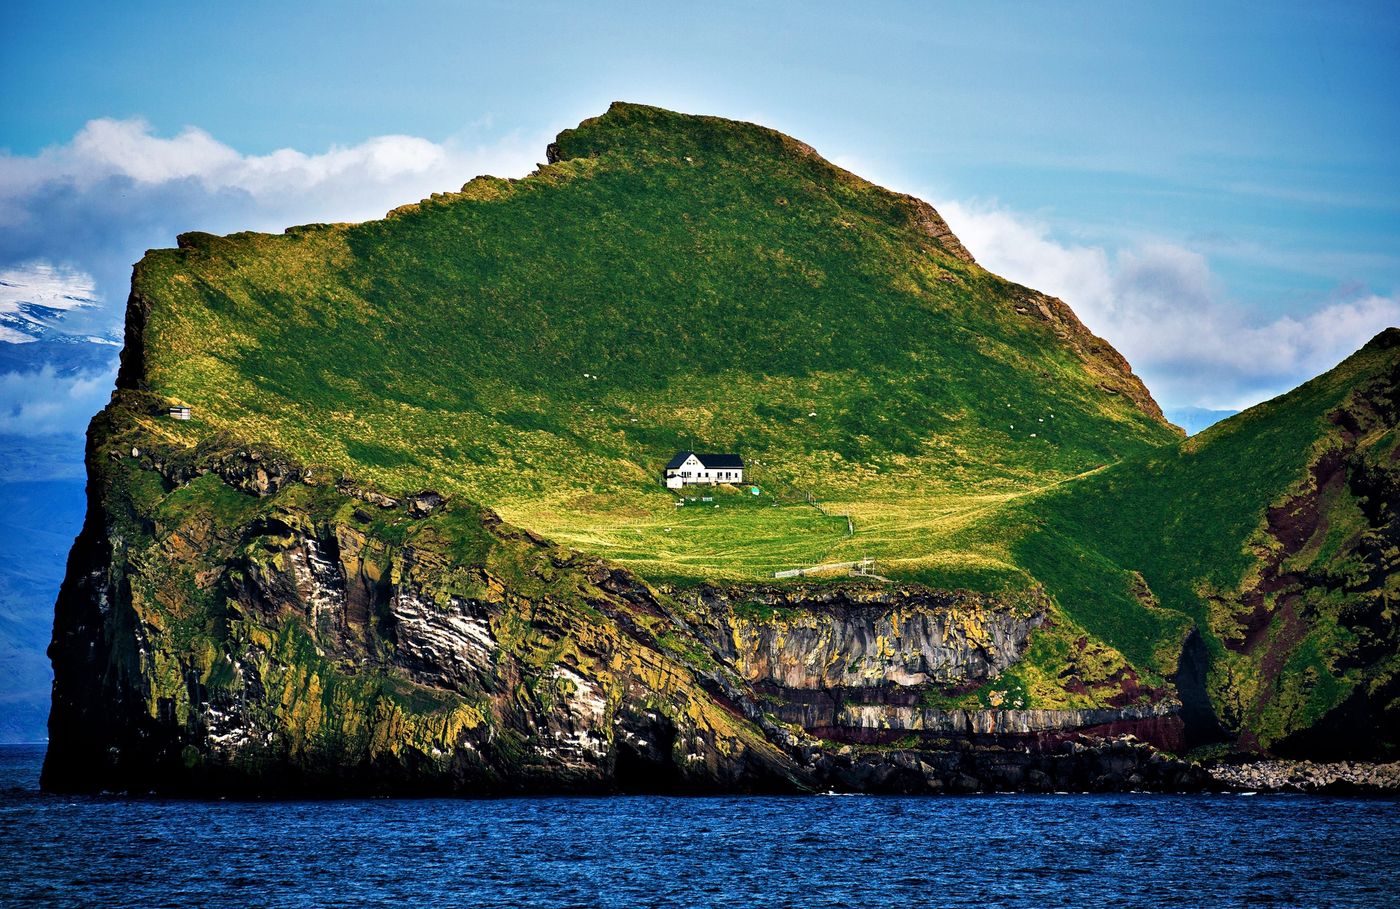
1275	533
543	346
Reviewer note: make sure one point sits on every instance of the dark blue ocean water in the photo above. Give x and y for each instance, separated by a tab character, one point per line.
1009	850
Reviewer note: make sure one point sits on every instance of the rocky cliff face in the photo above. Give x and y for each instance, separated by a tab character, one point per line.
232	623
873	637
1310	639
226	628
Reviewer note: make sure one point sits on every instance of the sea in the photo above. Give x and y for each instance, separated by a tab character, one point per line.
808	851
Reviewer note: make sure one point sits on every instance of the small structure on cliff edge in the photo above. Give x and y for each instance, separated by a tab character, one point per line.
179	412
862	569
688	468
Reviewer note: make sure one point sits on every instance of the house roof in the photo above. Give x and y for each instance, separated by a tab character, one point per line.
710	461
721	461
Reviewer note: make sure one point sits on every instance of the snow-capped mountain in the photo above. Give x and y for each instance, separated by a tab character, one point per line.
47	319
36	302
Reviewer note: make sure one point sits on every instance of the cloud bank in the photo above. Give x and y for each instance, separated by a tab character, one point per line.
1164	309
126	149
44	402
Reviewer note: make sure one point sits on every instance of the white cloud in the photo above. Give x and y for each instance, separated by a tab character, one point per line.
126	148
379	170
45	403
1169	314
97	202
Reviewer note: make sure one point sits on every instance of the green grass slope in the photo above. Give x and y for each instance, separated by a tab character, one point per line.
1275	533
544	345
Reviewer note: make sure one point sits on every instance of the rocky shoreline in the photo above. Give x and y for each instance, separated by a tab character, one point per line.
1083	764
1338	778
1088	763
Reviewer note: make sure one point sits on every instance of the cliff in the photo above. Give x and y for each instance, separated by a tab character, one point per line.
412	540
233	623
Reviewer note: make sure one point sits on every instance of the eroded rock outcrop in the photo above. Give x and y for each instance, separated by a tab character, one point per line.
870	636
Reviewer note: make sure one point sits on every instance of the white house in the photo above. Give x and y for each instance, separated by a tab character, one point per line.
687	468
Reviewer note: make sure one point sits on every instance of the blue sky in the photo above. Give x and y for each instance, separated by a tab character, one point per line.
1217	191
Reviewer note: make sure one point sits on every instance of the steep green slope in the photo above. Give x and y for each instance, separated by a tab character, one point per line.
1276	533
543	346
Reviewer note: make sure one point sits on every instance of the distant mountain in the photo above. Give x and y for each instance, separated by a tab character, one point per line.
1195	419
64	358
414	538
36	304
37	527
41	471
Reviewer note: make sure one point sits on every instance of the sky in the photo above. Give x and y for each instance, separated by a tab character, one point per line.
1215	190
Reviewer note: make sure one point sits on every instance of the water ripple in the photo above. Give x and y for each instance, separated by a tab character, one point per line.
1018	851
